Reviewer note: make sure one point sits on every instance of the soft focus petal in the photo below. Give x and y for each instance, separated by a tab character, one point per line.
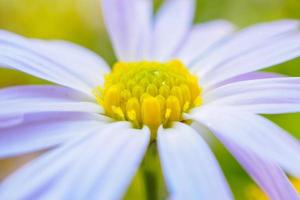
191	170
33	99
129	23
265	96
287	48
10	120
202	38
243	41
259	38
172	23
250	76
254	133
87	63
266	174
95	166
41	131
38	59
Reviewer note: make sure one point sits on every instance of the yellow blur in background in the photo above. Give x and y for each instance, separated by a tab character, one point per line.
254	193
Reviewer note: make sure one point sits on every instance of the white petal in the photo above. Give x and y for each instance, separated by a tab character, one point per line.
97	166
88	64
202	38
253	132
243	42
266	174
41	131
17	52
120	165
190	168
129	23
250	76
172	23
287	47
266	96
33	99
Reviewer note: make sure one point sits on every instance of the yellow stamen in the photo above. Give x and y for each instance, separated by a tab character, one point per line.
133	109
151	112
173	104
149	93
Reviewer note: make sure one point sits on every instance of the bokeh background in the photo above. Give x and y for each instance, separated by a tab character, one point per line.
80	21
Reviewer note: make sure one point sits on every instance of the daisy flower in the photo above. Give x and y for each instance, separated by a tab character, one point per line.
172	80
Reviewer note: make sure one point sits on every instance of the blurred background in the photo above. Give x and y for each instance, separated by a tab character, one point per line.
80	21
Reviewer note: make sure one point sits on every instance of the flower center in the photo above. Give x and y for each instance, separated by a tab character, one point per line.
149	93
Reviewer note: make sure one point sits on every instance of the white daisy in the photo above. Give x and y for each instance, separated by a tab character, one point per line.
170	74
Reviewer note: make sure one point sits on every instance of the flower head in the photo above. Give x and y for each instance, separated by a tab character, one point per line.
172	80
149	93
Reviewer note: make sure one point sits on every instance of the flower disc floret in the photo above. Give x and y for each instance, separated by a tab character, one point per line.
149	93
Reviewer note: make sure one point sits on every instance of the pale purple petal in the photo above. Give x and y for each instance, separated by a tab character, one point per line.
88	64
10	120
254	133
99	165
44	130
37	59
32	99
250	76
190	168
265	96
202	38
172	23
266	174
129	24
243	42
263	56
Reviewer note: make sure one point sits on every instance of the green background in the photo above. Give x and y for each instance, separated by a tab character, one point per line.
80	21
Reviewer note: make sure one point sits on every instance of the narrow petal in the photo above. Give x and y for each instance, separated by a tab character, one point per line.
250	76
254	133
11	120
172	23
42	131
129	25
88	64
189	166
266	174
32	99
287	48
107	158
264	96
252	39
39	59
202	38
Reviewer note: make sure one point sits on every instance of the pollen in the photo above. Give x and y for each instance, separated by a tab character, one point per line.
149	93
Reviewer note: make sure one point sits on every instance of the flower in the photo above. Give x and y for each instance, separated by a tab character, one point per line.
170	76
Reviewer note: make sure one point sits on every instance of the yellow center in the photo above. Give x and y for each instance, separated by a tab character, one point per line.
149	93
